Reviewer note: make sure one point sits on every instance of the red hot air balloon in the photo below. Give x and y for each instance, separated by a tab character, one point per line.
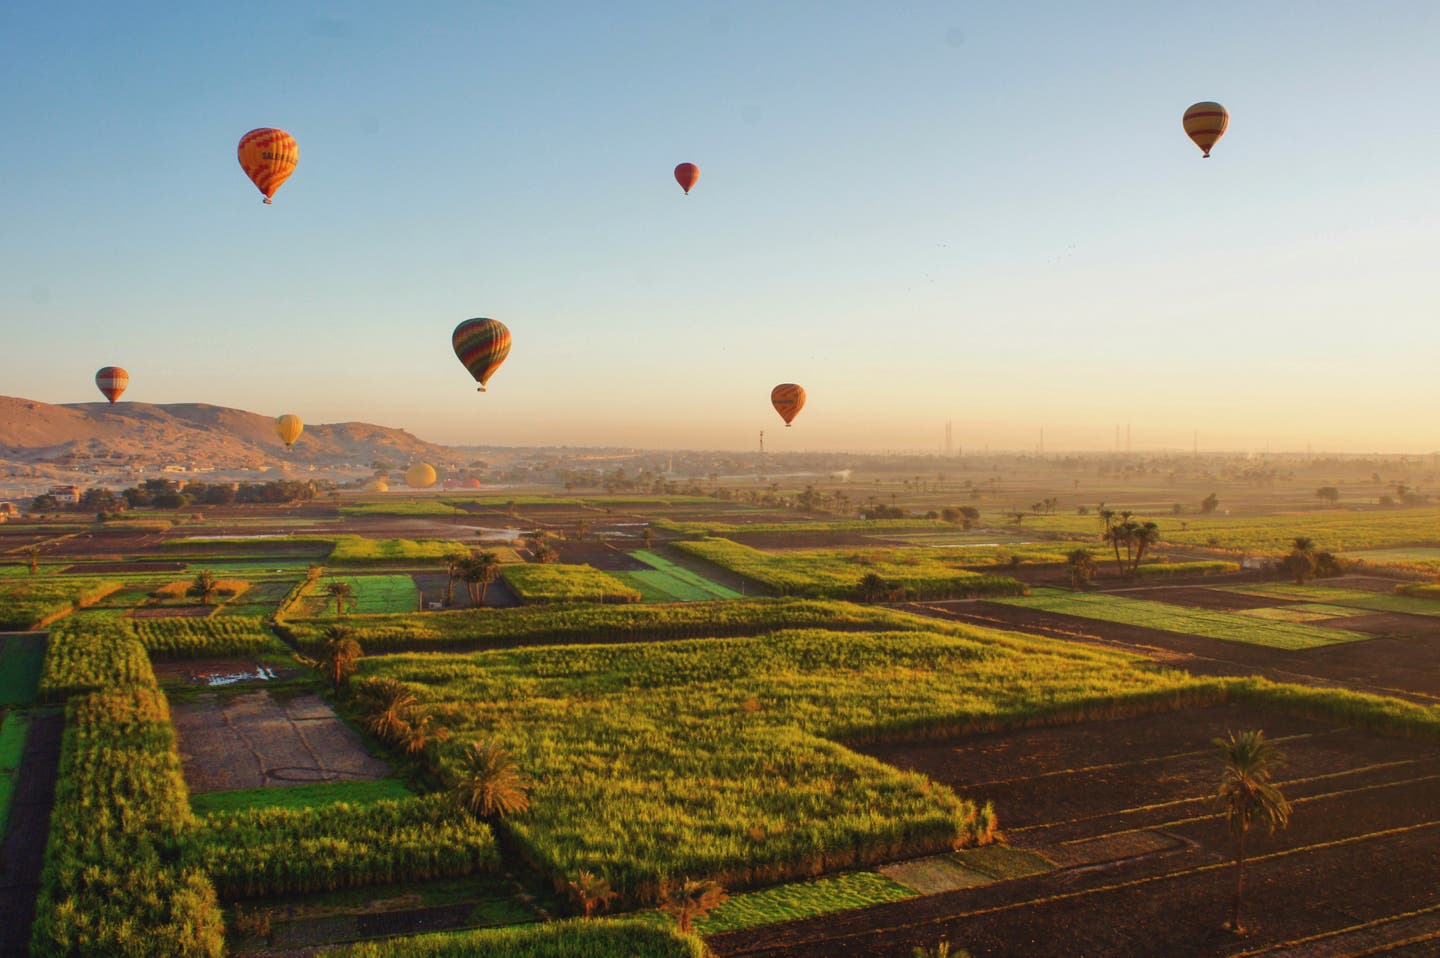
112	381
687	175
788	399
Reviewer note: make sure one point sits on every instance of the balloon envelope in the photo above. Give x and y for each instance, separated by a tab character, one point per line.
687	175
420	476
112	381
788	399
1205	123
268	156
377	485
481	345
288	427
472	483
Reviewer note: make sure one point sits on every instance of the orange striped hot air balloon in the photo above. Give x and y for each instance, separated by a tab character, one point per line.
481	345
268	156
112	381
687	175
288	427
788	399
1205	123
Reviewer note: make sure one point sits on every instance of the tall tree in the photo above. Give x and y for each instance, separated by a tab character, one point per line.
1081	565
1145	535
1302	559
340	656
203	586
485	568
453	561
1249	798
32	558
342	592
489	784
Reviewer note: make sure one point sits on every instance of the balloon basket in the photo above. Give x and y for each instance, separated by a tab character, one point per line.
267	201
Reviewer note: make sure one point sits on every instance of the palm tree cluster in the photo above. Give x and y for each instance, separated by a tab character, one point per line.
1135	536
339	656
476	570
394	714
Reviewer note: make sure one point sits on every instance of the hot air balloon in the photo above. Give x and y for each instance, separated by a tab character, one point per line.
687	175
788	399
288	427
1205	123
420	476
481	345
112	381
472	483
268	156
377	485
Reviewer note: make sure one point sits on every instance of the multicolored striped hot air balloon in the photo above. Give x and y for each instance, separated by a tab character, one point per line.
268	156
420	476
481	345
788	399
112	381
687	175
289	427
1205	123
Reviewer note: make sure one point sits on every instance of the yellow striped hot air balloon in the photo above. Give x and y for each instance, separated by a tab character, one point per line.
788	399
268	156
420	476
289	427
1205	123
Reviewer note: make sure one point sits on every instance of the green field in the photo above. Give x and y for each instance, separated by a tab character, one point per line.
802	900
1351	599
299	796
1228	626
14	726
744	734
356	549
837	573
28	602
374	595
1422	557
559	582
22	659
669	582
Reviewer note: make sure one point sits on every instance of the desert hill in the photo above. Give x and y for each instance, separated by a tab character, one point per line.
191	433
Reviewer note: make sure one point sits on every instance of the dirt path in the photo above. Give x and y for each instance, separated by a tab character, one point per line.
23	852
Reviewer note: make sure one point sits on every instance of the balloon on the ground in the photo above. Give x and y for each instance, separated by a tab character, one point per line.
472	483
481	345
687	175
788	399
377	485
1205	123
289	427
112	381
268	156
420	476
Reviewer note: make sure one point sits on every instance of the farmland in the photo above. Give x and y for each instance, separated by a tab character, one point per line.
559	583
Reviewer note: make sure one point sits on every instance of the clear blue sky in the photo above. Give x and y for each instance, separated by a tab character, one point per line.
919	211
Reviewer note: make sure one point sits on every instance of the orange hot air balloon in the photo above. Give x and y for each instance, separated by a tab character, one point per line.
112	381
268	156
788	399
420	476
1205	123
687	175
288	427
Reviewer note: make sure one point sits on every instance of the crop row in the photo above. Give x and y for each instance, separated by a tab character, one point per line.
837	573
279	851
186	637
561	939
27	603
357	549
556	582
798	527
93	655
577	624
742	733
1229	626
1155	570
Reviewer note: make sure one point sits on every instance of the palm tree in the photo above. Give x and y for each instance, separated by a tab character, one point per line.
490	785
648	537
591	892
340	657
453	561
1248	797
941	949
342	592
388	702
480	572
873	587
688	900
204	586
1302	559
1116	534
1145	534
1082	567
32	557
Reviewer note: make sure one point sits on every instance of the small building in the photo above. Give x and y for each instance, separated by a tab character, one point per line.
66	495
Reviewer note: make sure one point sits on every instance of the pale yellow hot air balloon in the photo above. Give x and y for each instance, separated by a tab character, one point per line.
289	427
420	476
377	485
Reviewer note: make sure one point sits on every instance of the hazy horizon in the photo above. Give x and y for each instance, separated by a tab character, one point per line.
986	216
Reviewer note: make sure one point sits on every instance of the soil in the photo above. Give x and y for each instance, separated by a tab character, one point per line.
23	853
255	739
1124	809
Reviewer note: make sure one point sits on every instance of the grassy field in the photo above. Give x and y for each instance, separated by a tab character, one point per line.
1351	599
14	726
22	659
743	731
674	583
559	582
802	900
576	938
359	550
374	595
803	526
836	573
1229	626
401	507
202	638
28	602
1426	558
299	796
